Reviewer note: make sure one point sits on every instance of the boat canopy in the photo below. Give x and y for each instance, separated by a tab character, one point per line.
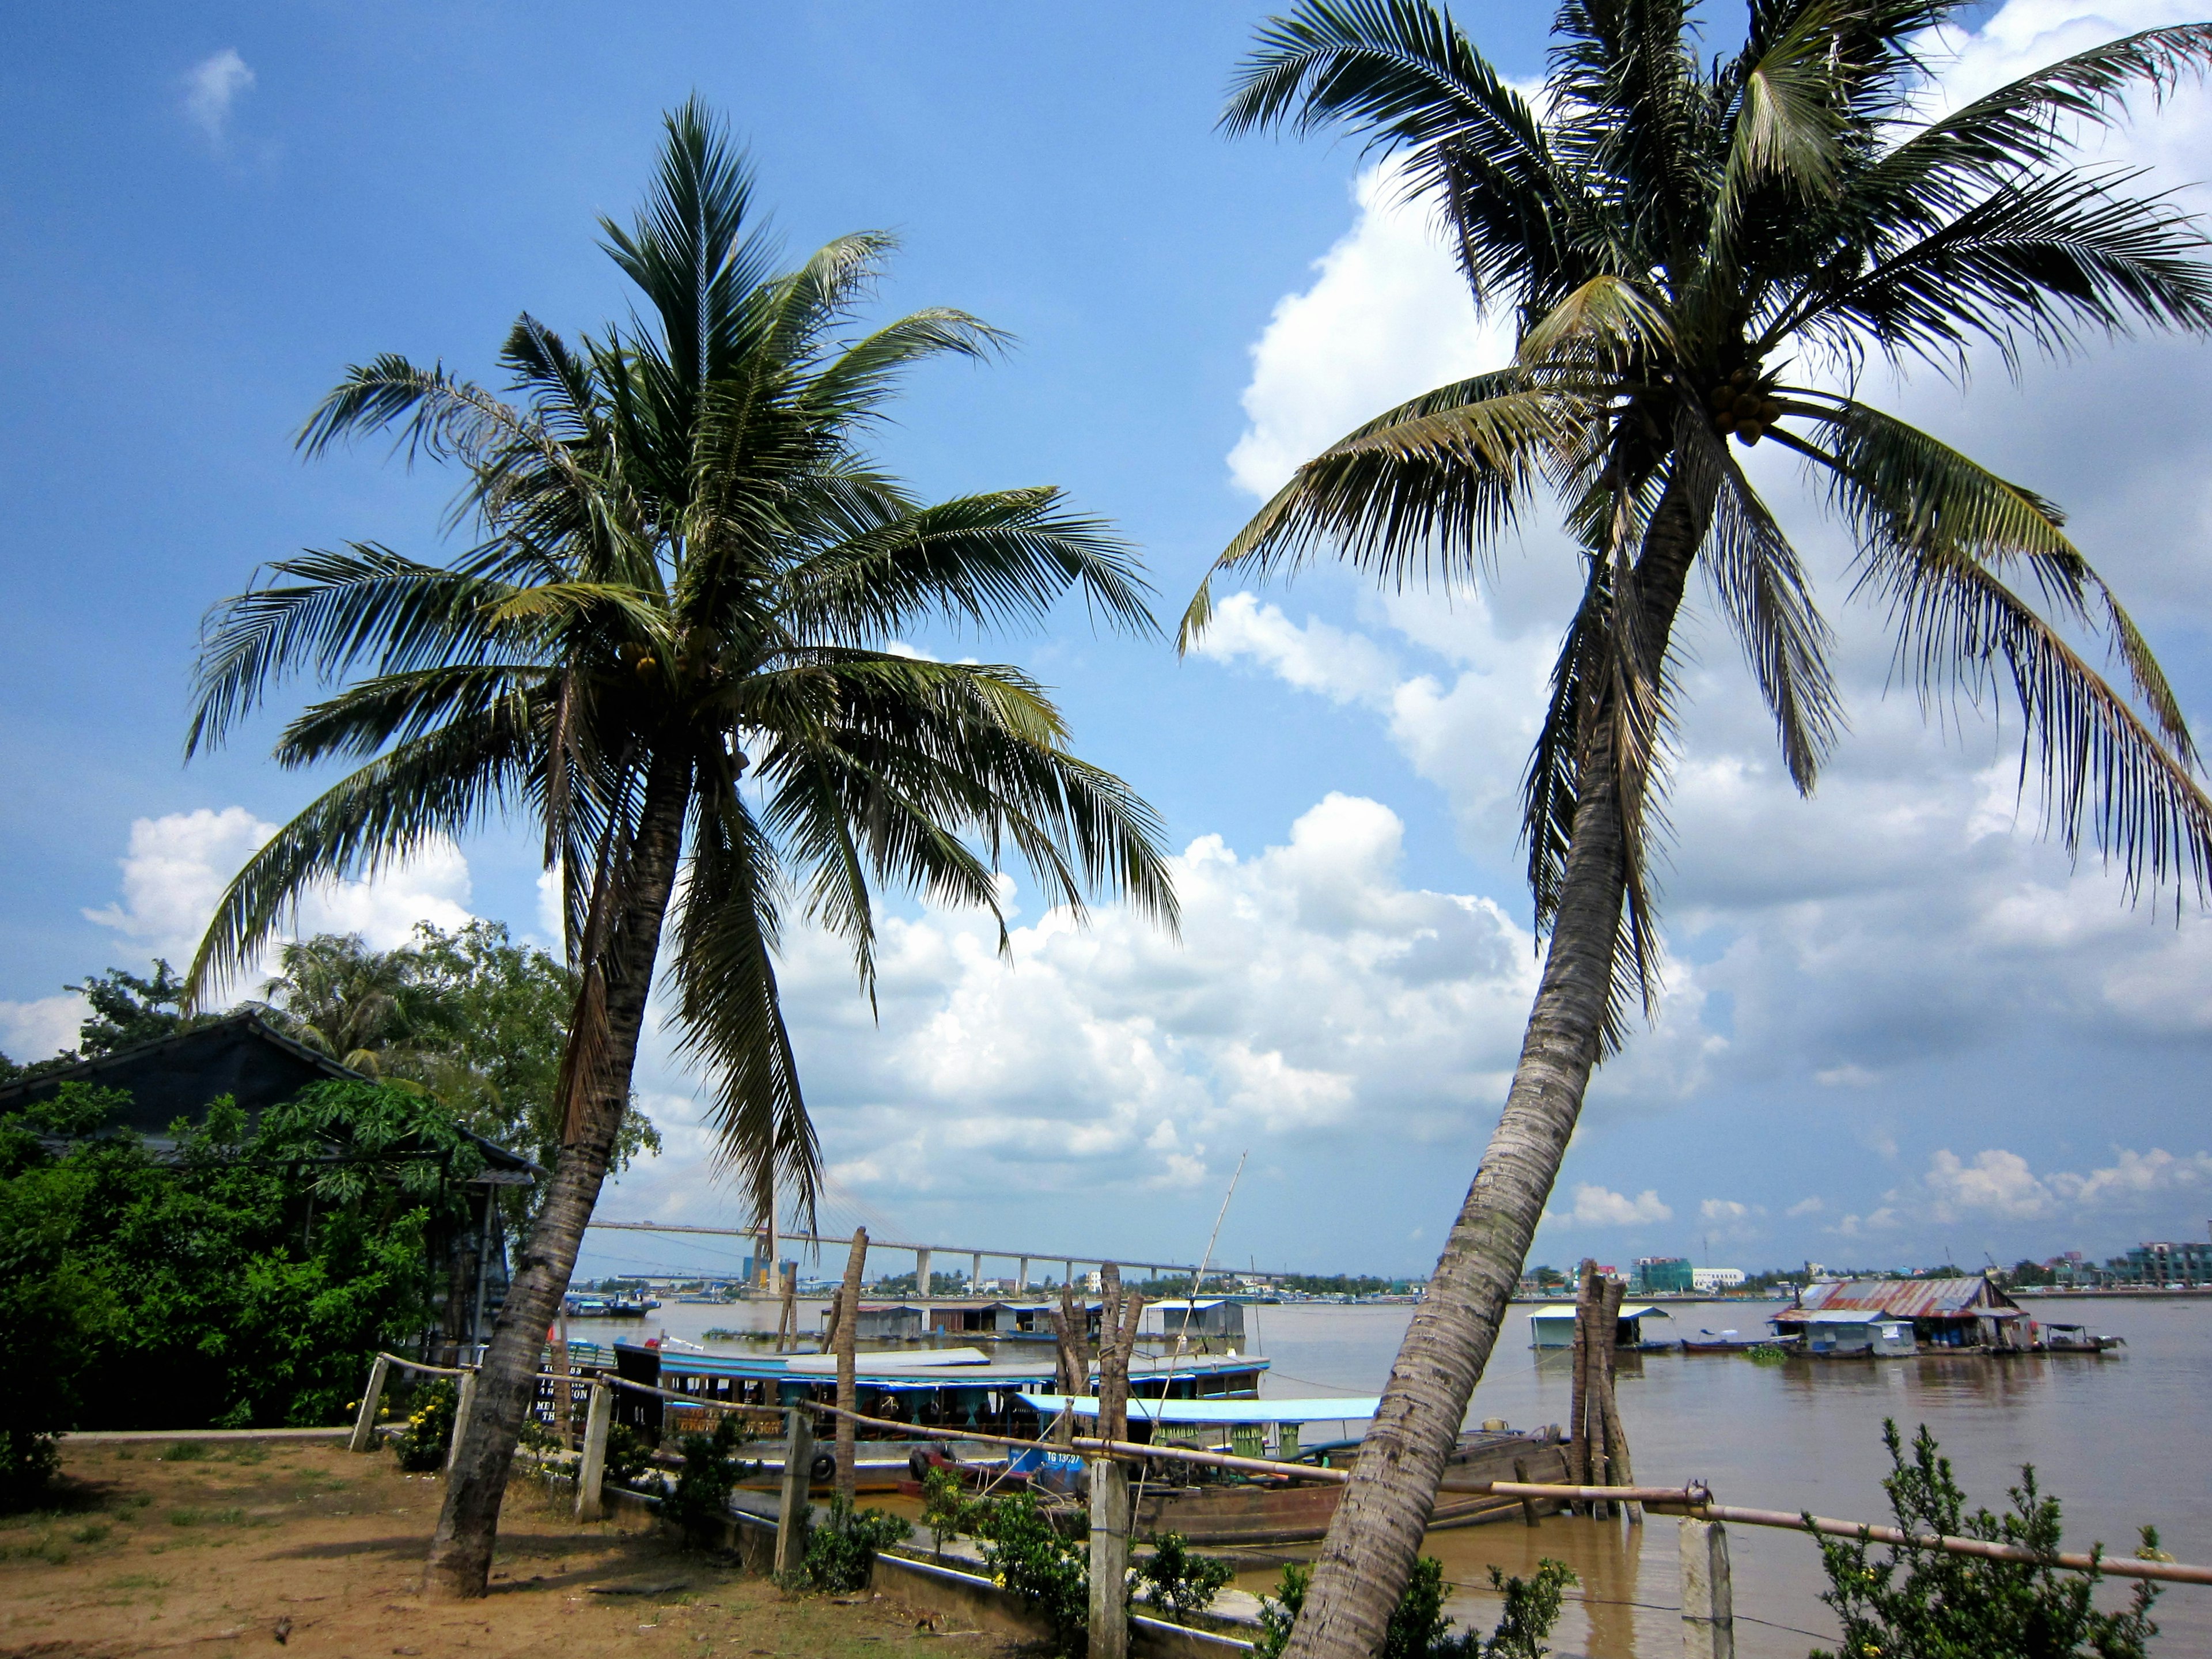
1566	1311
825	1365
1346	1409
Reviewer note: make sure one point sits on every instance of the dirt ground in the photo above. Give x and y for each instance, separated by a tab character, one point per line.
247	1547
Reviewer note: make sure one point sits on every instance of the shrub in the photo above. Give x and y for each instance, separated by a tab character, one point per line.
946	1508
423	1444
701	1504
1915	1602
28	1462
1532	1607
627	1455
1419	1629
1024	1553
1180	1580
839	1555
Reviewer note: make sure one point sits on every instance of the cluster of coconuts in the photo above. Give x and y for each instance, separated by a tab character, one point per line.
1745	405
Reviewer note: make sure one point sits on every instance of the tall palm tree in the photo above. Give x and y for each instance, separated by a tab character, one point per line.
667	650
1685	246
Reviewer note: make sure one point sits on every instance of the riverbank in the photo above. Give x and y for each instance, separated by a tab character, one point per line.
253	1545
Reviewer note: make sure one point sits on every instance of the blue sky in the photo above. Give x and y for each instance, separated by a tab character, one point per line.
1896	1026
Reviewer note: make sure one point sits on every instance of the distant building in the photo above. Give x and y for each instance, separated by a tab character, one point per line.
1094	1281
1968	1311
1656	1274
1715	1278
2167	1262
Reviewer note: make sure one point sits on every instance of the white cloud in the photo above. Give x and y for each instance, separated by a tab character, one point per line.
43	1026
2000	1183
211	87
1342	666
1597	1206
1724	1209
1314	1002
1386	318
177	866
1805	1206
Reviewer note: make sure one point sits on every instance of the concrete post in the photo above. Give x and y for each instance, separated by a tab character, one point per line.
1707	1602
364	1422
795	1509
1110	1559
921	1283
462	1406
592	1472
976	1273
1022	1278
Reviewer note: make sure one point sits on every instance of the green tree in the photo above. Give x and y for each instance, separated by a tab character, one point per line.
1682	244
667	646
333	993
1929	1604
127	1009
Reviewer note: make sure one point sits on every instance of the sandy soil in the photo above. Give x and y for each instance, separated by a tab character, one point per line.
251	1547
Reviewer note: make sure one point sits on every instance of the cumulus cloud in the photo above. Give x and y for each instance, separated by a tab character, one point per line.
1597	1207
1725	1209
212	86
177	866
2000	1183
1386	318
42	1026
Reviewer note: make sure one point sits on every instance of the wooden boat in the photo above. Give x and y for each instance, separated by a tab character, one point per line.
1262	1511
1731	1342
2076	1338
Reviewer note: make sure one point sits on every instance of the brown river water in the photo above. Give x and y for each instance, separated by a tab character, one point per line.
2121	1440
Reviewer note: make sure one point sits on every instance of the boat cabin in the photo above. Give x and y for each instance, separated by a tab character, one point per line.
1244	1428
1553	1326
1212	1321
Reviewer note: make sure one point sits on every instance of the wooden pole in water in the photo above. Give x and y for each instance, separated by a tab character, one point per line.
847	1336
1597	1341
1529	1516
1074	1373
591	1472
364	1423
1578	1463
792	1510
1618	1471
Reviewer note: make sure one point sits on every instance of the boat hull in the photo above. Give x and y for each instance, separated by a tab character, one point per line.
1299	1514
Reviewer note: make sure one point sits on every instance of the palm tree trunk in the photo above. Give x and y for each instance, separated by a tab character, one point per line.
1376	1532
468	1526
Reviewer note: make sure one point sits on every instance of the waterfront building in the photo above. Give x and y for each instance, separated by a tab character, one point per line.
2162	1262
1708	1279
1966	1312
1657	1275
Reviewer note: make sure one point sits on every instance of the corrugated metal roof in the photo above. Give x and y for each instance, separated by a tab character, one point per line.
1968	1297
1566	1311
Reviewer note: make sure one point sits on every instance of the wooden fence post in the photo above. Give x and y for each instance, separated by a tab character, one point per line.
846	1337
1110	1559
796	1508
463	1404
591	1472
364	1423
1708	1601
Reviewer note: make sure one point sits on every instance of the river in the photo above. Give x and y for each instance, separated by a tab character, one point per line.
2120	1439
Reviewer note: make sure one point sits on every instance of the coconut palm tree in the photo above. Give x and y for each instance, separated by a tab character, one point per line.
1691	253
667	649
333	993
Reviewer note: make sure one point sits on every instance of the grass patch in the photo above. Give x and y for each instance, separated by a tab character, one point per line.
138	1581
207	1517
95	1532
246	1452
187	1451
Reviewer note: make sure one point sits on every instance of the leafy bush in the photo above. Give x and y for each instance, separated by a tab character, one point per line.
701	1504
427	1441
28	1463
1532	1607
839	1555
946	1509
1025	1553
1419	1629
538	1437
627	1455
1178	1579
1916	1603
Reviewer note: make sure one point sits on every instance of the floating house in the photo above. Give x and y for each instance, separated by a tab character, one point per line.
1841	1333
1210	1322
1966	1312
1553	1326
